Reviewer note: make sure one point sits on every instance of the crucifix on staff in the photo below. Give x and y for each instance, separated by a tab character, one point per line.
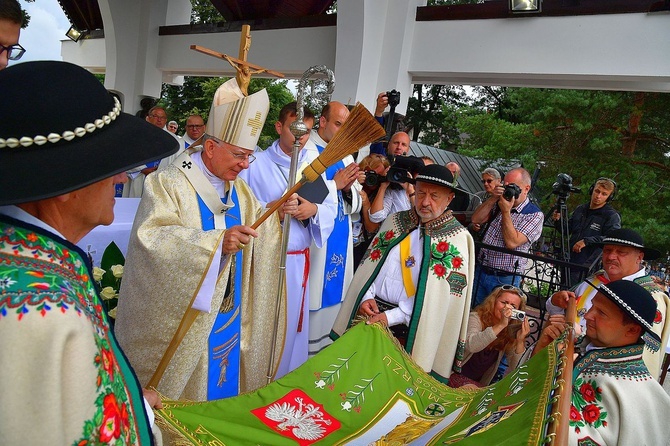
244	68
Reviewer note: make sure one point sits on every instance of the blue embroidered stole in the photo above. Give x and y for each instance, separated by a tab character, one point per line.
336	247
223	371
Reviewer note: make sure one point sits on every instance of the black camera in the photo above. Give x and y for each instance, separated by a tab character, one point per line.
511	192
404	168
563	186
394	97
373	179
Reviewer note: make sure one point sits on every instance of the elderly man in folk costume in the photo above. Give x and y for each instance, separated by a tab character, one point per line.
623	251
192	251
615	400
313	223
416	277
332	265
64	377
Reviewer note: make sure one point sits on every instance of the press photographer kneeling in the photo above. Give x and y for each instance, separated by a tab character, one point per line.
395	193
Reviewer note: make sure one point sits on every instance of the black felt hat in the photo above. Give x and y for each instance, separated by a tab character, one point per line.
436	174
440	175
628	237
60	130
637	303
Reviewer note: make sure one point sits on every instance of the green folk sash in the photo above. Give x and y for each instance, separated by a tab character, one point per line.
364	388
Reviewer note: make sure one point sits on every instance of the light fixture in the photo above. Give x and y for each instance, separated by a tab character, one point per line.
73	34
521	6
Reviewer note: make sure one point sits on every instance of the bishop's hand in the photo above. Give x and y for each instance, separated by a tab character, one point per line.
236	238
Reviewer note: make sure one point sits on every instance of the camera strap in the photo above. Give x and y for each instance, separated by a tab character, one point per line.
485	226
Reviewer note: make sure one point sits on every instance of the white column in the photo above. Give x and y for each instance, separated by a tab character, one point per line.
132	45
374	43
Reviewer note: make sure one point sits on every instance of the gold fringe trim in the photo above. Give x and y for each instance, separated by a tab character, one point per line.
178	438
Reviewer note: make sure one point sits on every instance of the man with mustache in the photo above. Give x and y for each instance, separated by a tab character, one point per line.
416	278
623	251
615	400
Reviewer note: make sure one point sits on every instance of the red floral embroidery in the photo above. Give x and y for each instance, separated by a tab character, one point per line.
376	254
658	318
389	235
439	270
587	392
113	419
574	414
32	237
586	409
443	257
591	413
108	363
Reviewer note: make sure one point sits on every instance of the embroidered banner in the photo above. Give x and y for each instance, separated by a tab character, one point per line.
364	389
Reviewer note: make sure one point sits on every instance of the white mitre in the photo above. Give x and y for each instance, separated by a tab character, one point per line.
235	118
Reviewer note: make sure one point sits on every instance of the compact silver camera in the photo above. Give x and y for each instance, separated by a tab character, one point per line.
518	315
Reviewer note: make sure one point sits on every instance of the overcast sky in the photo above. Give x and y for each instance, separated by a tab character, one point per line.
47	27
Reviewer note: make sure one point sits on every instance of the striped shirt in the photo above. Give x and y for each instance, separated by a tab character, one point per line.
527	219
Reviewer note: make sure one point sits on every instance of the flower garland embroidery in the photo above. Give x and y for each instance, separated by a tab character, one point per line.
61	282
380	244
586	408
443	257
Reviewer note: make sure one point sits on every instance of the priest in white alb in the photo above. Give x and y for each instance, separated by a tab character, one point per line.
268	178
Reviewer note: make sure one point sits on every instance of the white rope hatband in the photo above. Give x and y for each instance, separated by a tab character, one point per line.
67	135
435	179
608	240
628	308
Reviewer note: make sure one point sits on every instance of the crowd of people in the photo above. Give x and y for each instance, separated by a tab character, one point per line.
202	311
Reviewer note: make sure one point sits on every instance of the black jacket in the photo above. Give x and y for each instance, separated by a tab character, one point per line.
591	225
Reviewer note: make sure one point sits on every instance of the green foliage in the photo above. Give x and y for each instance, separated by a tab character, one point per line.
203	11
432	112
196	94
586	134
26	16
491	138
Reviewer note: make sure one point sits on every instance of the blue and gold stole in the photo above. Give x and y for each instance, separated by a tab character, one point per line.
223	371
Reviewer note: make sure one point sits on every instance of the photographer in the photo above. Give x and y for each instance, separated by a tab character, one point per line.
375	167
590	222
399	143
496	327
397	192
515	223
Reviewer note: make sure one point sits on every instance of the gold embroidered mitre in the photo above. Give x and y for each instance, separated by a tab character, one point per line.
235	118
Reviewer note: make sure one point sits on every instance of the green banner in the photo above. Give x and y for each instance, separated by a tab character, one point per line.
365	389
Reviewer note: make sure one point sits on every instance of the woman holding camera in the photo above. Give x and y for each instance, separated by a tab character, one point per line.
497	327
375	167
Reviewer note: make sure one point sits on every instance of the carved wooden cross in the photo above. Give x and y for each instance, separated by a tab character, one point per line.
244	68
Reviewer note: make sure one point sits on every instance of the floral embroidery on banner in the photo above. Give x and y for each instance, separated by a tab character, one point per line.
586	408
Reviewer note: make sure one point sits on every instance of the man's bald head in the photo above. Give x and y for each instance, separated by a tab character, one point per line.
399	144
332	117
454	168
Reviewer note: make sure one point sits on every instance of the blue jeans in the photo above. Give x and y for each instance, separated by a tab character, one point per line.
485	283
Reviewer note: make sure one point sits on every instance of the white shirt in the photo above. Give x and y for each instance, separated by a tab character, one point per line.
389	286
